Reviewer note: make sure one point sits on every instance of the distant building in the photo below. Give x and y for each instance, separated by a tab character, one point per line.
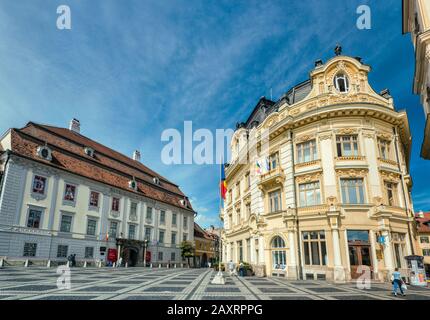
329	191
63	193
416	21
204	247
423	226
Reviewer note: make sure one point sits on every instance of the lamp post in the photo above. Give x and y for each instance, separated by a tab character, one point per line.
219	277
145	245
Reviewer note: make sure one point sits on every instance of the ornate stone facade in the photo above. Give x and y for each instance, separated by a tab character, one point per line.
334	183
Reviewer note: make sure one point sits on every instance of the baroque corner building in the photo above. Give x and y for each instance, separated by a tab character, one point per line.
332	192
416	21
63	193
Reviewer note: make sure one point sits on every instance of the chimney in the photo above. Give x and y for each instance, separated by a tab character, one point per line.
136	155
75	126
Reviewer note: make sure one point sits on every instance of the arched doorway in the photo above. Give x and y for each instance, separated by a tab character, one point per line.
279	254
130	256
204	260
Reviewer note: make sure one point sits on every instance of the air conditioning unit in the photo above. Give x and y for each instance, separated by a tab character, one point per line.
89	152
44	152
132	184
156	180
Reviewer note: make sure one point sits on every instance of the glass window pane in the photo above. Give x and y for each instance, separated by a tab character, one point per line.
306	252
315	253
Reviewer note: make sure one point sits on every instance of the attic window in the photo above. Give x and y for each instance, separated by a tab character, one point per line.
89	151
341	83
156	180
44	152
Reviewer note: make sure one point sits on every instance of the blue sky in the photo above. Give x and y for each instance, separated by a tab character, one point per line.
130	69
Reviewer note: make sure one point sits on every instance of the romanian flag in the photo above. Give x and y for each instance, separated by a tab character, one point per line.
223	183
257	168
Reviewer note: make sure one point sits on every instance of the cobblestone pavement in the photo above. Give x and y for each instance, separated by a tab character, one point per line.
178	284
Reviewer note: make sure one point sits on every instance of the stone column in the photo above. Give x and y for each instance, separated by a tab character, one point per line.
339	271
373	244
253	260
388	253
261	259
292	266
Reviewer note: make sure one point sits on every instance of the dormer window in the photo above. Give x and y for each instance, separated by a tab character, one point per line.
156	180
132	184
341	83
44	152
89	152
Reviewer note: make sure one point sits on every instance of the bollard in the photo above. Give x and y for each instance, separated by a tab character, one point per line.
168	266
85	264
48	265
114	265
126	264
68	264
1	262
159	265
100	264
26	263
150	265
175	265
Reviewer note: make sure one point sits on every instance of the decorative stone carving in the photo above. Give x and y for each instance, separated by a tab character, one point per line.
390	176
325	136
385	136
304	138
347	131
351	173
309	177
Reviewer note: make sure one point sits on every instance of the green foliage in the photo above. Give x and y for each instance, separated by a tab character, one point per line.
187	249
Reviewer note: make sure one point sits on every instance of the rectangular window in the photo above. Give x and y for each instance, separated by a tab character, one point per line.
352	191
161	236
162	217
240	251
309	194
173	240
315	250
34	218
70	192
248	210
133	210
89	252
426	252
347	146
115	204
306	151
247	181
384	149
131	231
39	185
424	240
149	213
113	229
248	249
94	199
66	223
390	193
160	256
275	201
185	222
62	251
91	227
148	233
172	256
30	249
273	161
184	237
399	246
174	219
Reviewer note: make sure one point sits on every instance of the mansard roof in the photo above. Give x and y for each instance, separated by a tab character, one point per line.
106	166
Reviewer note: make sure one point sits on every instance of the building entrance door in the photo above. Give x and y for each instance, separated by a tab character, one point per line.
359	253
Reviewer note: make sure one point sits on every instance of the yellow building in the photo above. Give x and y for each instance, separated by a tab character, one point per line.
423	226
204	247
318	183
416	21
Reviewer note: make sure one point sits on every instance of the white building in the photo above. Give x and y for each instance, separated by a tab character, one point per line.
62	193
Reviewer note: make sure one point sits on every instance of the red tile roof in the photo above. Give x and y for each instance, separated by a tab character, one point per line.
423	224
107	166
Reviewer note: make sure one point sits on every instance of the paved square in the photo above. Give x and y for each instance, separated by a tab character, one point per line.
179	284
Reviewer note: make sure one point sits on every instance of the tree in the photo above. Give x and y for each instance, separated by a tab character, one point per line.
187	250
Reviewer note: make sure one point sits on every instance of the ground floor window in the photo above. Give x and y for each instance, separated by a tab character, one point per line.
314	248
30	249
279	261
89	252
160	256
399	246
172	256
240	250
62	251
426	252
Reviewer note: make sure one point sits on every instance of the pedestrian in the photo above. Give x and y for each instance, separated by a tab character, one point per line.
396	280
74	260
209	264
241	269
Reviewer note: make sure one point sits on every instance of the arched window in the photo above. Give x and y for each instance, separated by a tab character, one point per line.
341	83
279	260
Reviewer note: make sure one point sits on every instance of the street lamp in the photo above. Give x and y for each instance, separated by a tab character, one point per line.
219	277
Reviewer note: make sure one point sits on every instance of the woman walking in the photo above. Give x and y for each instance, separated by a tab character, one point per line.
396	280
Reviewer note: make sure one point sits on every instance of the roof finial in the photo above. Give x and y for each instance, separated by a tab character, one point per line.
338	50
